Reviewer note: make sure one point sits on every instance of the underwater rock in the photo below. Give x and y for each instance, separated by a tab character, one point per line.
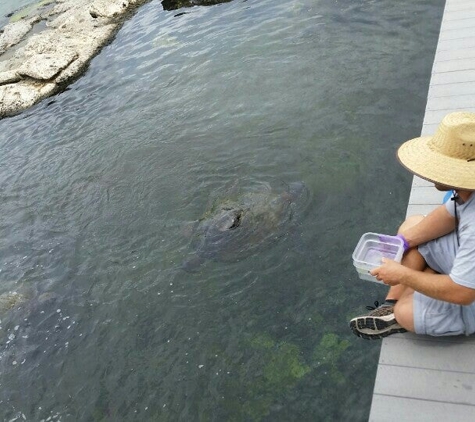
10	300
27	319
177	4
51	45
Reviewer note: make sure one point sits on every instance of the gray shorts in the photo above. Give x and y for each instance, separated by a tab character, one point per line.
435	317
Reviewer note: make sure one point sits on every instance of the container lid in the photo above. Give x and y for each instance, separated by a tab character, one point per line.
374	246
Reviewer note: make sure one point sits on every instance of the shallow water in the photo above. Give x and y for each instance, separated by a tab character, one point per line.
100	185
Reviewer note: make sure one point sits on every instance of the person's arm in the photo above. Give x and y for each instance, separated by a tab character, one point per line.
436	224
437	286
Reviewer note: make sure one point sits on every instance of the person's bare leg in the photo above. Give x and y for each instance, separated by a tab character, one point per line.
412	259
404	308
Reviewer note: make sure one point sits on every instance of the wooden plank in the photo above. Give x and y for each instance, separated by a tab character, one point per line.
458	34
419	209
459	15
417	181
450	103
429	129
423	353
402	409
453	54
436	116
452	24
454	65
416	337
452	90
451	44
426	384
458	5
425	195
458	76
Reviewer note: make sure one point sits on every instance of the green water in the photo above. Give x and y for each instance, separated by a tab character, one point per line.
99	186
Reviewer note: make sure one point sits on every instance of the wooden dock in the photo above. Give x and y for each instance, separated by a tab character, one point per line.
422	378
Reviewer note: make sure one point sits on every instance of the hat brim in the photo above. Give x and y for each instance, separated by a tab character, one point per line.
422	160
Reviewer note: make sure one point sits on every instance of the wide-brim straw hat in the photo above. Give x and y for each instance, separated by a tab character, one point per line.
447	157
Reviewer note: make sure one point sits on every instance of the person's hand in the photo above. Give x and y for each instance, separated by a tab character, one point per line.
390	272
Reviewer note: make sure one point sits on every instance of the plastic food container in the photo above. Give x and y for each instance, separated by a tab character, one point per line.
371	248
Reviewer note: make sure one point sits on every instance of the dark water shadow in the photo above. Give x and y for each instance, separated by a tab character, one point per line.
178	4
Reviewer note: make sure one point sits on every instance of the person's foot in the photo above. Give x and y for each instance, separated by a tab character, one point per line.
379	323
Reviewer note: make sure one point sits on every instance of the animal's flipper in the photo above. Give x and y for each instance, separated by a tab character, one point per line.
187	229
298	190
193	263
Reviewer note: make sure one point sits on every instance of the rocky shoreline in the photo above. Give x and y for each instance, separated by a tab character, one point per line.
51	44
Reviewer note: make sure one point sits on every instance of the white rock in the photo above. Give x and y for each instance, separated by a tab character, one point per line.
108	8
22	95
51	58
14	32
46	66
9	77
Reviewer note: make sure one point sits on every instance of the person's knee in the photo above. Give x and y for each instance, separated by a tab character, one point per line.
404	313
411	221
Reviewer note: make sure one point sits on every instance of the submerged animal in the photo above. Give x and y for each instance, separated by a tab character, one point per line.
233	229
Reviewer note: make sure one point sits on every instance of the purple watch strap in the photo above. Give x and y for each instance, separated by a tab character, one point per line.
404	242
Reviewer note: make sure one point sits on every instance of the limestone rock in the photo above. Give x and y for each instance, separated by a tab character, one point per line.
76	18
89	47
22	95
14	32
46	66
54	56
9	77
10	300
108	8
58	8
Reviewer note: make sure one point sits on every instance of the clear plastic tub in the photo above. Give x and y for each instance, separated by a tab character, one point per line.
371	248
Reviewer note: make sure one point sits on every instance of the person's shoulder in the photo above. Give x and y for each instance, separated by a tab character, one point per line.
468	208
471	200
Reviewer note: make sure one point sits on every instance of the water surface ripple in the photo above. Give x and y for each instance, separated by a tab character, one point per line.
101	184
